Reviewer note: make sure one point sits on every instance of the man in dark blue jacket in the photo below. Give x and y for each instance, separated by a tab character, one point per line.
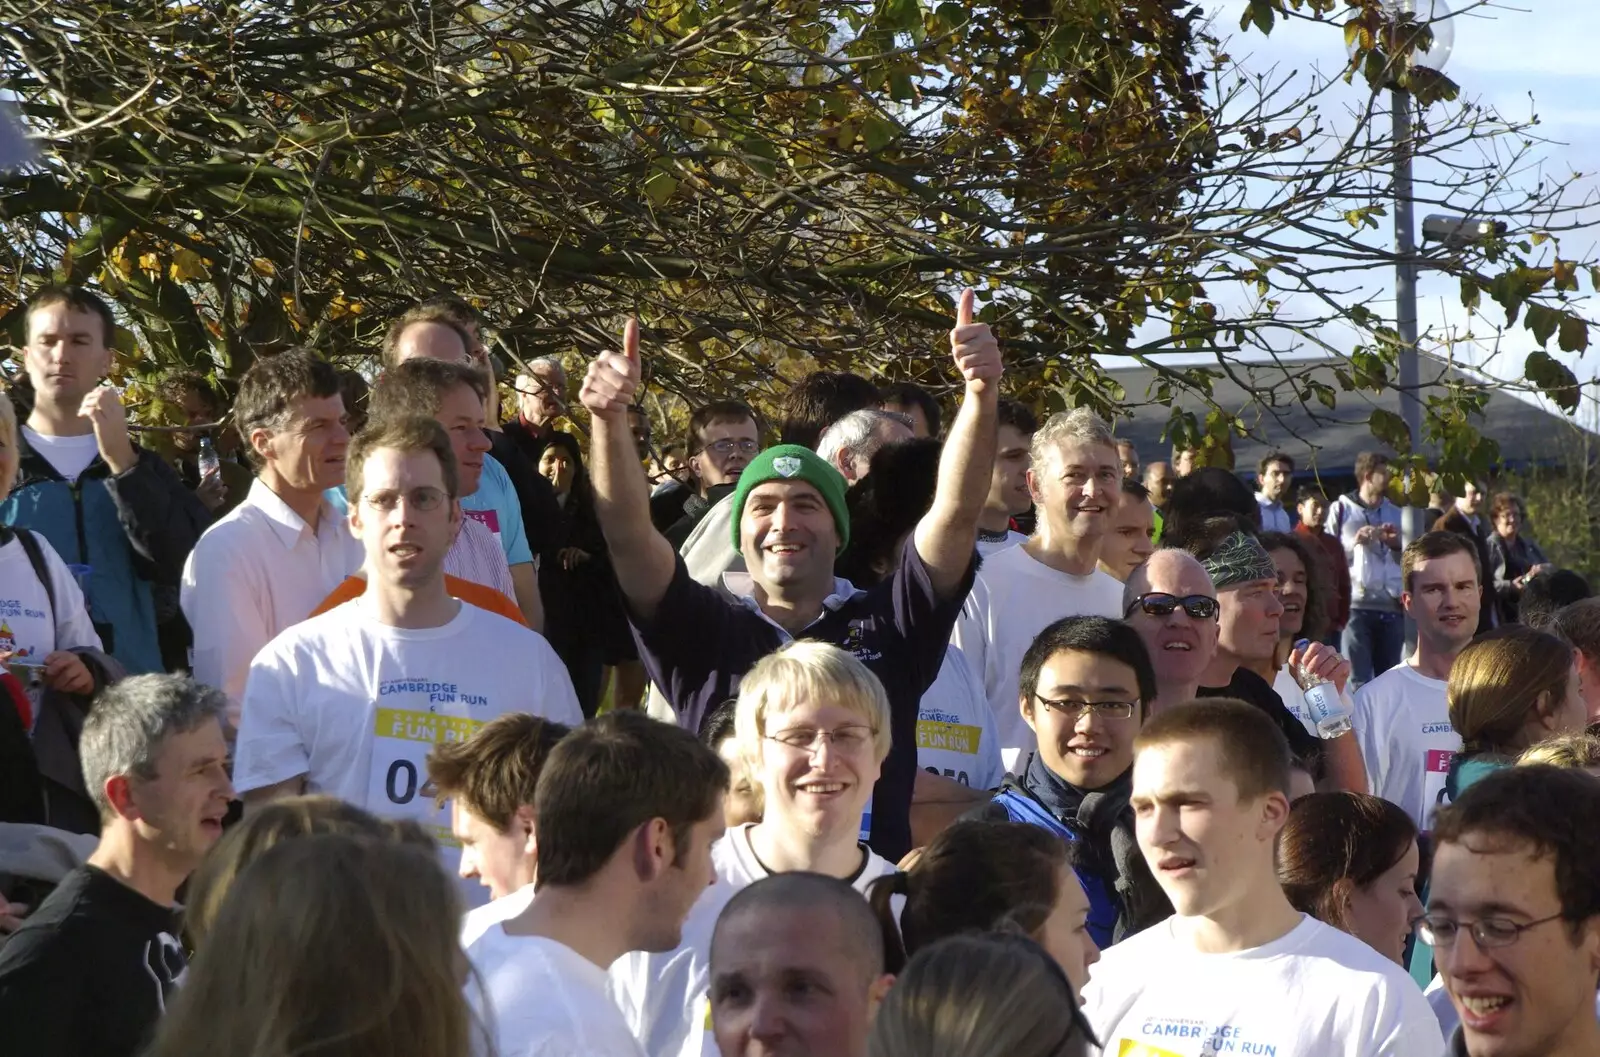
116	511
1086	682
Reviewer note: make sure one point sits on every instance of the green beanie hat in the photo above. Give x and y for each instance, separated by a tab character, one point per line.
793	462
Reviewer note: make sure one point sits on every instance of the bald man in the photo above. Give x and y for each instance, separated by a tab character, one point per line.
788	930
1171	603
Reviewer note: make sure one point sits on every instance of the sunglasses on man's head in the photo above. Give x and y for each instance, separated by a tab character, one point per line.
1161	604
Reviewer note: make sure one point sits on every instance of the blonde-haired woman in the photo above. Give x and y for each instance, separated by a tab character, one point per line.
812	726
1509	690
1580	752
53	666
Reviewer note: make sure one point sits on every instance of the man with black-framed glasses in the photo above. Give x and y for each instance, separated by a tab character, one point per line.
350	703
1514	915
1085	684
723	438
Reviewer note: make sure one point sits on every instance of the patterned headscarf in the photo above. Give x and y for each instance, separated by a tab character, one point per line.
1239	559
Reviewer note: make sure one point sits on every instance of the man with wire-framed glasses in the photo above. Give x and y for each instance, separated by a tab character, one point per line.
1514	915
1085	685
723	438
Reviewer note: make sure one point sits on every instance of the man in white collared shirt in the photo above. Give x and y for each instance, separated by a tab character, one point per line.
278	554
1274	478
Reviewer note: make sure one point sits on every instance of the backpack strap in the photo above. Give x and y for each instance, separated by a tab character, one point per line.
1021	808
30	545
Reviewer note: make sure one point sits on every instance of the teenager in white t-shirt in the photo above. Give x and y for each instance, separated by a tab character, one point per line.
351	701
1237	969
489	780
1075	480
813	726
1402	717
629	809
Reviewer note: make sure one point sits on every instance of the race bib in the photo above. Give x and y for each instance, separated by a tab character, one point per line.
397	786
948	737
1436	769
489	518
1130	1048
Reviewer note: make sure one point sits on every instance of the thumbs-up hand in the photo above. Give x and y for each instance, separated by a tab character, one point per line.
611	385
976	352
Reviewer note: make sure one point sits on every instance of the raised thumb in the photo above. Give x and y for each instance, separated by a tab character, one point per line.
630	340
964	308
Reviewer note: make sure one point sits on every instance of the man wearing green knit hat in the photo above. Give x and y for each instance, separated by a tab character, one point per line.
789	523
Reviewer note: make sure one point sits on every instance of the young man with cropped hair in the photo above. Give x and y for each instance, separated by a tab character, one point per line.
1274	480
1075	479
1402	718
1236	968
489	780
627	812
1514	914
350	702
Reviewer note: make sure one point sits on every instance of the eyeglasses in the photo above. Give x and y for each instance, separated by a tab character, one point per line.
727	445
1108	709
421	498
850	738
1441	931
1161	604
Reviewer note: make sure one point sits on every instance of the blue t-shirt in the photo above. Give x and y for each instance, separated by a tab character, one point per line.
494	503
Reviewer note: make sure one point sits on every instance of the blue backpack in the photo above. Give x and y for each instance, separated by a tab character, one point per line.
1104	907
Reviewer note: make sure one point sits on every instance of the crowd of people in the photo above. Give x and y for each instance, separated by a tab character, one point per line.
356	717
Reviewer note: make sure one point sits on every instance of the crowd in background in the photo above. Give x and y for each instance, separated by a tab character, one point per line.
361	715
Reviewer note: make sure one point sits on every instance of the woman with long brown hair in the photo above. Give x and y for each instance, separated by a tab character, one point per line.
334	945
1352	861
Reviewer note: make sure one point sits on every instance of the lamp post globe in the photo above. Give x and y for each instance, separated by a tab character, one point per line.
1437	16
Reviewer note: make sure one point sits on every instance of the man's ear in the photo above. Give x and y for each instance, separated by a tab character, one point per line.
877	993
522	822
1274	813
118	792
260	441
1033	487
1025	702
652	849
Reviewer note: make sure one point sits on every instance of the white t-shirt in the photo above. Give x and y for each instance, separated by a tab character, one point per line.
355	705
956	735
29	629
987	547
665	997
1402	722
69	455
478	920
1315	992
1015	597
544	999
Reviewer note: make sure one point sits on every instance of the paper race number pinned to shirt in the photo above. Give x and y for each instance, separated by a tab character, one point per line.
397	786
1436	771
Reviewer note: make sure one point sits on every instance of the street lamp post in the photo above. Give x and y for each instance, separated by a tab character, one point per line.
1437	16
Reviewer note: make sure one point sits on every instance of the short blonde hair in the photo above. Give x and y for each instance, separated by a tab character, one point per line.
1577	751
8	437
1080	424
809	671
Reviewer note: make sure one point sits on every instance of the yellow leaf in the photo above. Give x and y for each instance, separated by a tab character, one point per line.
264	267
186	265
150	262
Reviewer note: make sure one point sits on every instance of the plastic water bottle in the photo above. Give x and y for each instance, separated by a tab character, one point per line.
1329	709
208	461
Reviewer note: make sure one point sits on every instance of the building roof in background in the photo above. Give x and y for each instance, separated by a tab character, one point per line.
1317	437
